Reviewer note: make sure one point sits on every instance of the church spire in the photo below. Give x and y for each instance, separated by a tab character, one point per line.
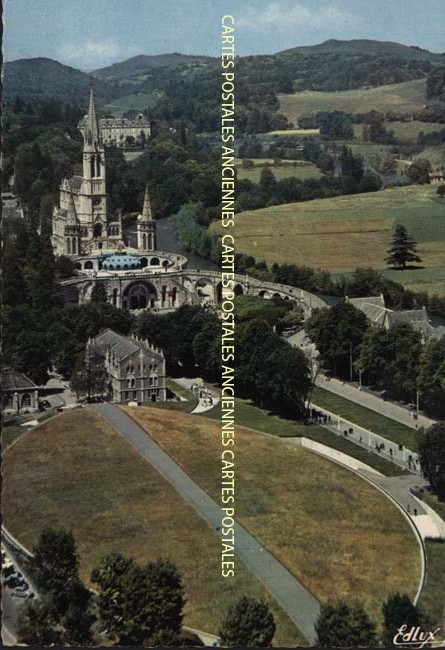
147	211
92	133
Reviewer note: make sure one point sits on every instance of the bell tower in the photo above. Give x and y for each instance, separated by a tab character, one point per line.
146	226
95	197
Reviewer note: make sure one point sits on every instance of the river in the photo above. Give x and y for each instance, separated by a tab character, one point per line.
167	241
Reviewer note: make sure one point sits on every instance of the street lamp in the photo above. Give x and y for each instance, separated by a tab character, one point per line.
417	402
360	379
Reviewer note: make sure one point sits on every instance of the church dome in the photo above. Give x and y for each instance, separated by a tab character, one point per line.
119	262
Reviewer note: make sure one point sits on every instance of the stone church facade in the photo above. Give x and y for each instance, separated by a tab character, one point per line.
81	223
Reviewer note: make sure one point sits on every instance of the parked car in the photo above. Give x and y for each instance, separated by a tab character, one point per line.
13	581
23	586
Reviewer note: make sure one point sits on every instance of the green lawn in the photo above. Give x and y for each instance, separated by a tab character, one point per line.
11	433
248	415
283	171
346	232
432	599
371	420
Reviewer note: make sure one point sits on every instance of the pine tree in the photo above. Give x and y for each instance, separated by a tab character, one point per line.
403	249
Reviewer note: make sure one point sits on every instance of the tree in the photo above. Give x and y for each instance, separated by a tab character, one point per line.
371	181
109	577
66	600
55	561
64	267
89	376
337	334
398	610
441	191
343	625
139	605
99	294
431	448
432	377
403	249
419	171
248	623
390	359
13	286
36	625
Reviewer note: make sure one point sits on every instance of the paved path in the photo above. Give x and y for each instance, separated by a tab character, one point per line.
301	607
374	403
373	442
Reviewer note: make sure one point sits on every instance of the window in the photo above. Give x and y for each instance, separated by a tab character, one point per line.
135	394
26	399
126	395
8	402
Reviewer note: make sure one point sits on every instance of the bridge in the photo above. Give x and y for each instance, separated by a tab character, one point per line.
164	289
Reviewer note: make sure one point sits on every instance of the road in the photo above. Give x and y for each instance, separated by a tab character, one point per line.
11	605
300	605
374	403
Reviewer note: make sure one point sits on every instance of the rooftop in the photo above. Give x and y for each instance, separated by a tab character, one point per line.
14	380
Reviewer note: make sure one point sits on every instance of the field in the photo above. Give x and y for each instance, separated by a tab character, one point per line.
249	415
406	132
138	102
346	232
407	97
283	171
76	472
297	132
326	525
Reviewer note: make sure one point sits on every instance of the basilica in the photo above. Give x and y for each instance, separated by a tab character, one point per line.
135	274
81	224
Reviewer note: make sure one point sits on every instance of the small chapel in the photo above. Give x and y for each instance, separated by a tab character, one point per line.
81	224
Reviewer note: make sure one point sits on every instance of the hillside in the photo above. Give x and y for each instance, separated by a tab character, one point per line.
40	78
360	47
406	97
137	65
346	232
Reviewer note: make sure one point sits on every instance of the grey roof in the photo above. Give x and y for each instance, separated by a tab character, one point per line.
410	316
75	182
372	300
15	380
121	346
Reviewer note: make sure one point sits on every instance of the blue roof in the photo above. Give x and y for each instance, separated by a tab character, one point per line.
121	261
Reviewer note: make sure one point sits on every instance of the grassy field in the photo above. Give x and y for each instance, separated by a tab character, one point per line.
405	132
408	96
248	415
76	472
326	525
346	232
283	171
137	102
432	600
386	427
297	132
11	433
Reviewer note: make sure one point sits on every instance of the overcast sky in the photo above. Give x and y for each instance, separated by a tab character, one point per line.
89	34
